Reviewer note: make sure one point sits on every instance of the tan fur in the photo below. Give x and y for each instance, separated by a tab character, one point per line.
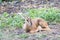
37	24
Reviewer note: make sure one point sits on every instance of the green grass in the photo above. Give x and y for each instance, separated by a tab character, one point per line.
15	20
23	35
41	36
50	14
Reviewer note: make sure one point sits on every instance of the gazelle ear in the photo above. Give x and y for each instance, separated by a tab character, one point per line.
27	18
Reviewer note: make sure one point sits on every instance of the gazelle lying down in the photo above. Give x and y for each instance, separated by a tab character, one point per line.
34	25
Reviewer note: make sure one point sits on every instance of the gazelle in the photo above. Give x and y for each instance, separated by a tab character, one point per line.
34	25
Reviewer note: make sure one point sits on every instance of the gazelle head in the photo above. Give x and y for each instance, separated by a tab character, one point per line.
28	20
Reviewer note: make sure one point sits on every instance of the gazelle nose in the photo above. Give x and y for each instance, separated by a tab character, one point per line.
38	31
28	31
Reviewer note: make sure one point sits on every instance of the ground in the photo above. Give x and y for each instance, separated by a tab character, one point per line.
14	33
18	34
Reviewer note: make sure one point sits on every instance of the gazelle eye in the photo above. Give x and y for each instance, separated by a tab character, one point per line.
27	20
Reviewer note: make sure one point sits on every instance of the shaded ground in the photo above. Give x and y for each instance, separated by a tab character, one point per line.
17	6
18	34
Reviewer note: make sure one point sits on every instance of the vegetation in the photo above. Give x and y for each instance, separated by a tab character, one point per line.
50	14
0	1
23	35
15	20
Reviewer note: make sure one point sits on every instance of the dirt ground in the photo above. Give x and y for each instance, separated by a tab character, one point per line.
13	33
19	34
16	6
